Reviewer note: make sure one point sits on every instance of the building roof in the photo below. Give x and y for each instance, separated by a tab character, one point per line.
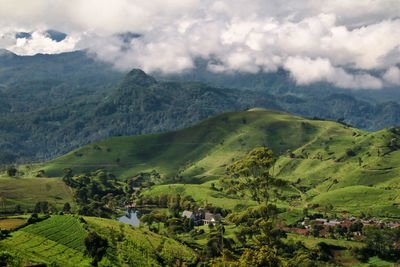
187	214
210	216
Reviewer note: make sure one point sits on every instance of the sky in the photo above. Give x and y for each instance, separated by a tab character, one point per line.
350	43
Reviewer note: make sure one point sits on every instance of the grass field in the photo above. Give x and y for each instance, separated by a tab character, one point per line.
202	193
211	143
27	191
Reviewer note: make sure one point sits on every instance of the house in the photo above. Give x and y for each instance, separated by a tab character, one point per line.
188	214
211	218
332	223
202	217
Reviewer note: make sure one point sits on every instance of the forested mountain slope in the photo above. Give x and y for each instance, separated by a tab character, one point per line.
52	104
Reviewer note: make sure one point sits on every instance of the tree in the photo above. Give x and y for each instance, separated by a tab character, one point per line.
96	246
11	171
356	227
216	242
316	228
33	218
154	217
67	207
341	230
173	204
263	257
41	207
18	208
8	259
3	200
251	176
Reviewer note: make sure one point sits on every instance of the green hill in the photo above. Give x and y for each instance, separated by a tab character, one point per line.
197	152
327	163
27	191
59	241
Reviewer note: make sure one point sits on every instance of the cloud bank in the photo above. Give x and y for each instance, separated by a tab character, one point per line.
339	42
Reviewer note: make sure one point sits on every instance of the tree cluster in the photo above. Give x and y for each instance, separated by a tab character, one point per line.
97	193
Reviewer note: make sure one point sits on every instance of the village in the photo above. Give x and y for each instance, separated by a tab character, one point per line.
346	227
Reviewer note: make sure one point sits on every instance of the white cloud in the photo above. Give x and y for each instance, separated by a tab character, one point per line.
42	43
392	76
306	70
243	35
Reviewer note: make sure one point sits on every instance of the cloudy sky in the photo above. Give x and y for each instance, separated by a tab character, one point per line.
338	41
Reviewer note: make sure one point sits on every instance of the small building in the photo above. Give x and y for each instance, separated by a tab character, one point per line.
332	223
202	217
188	214
211	218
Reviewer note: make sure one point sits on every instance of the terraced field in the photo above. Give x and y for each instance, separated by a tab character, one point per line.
63	229
57	240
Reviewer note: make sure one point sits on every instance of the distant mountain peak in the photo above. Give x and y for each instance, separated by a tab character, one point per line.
5	52
56	35
139	77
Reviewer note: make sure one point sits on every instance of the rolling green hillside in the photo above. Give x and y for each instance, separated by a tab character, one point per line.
327	163
197	152
27	191
59	241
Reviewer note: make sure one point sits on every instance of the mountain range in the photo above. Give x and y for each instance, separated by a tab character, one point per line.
52	104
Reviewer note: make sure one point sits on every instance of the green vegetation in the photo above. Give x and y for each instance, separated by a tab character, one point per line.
80	100
24	192
311	154
139	247
96	193
321	168
59	240
65	230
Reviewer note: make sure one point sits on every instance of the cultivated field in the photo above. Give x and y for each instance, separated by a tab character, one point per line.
11	223
58	240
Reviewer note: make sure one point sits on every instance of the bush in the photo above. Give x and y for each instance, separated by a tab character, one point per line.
350	152
96	246
11	171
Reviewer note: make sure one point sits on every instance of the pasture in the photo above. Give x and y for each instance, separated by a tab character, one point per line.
25	191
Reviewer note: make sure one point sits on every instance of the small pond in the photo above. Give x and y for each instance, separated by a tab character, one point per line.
132	216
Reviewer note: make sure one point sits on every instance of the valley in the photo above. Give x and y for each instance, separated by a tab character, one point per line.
331	170
200	133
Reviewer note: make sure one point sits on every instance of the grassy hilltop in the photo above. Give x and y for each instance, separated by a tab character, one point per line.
328	163
197	152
